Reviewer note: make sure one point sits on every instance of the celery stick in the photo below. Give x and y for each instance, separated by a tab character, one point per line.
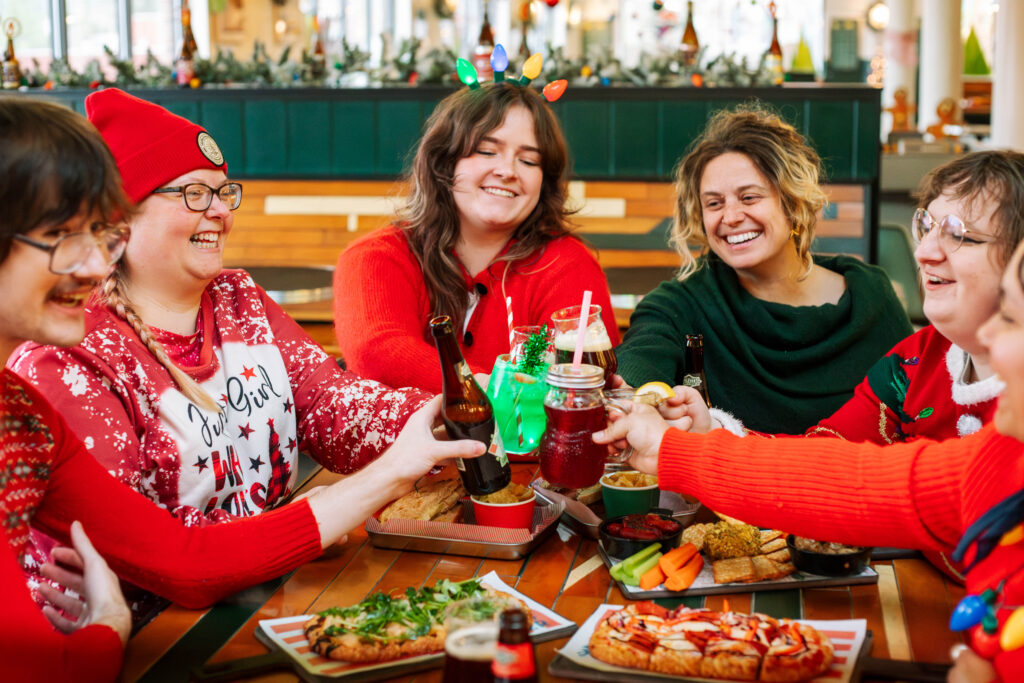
636	558
632	578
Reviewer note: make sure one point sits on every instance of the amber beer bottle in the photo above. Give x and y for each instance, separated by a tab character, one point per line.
514	660
695	376
11	69
774	56
690	46
467	414
186	58
484	48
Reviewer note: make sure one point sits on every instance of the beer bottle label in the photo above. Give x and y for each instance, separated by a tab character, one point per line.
497	448
512	662
692	381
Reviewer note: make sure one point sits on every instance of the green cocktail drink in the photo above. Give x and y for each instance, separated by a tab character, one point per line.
518	402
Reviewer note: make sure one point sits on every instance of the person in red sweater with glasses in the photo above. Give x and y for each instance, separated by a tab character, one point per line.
485	222
59	235
960	496
191	384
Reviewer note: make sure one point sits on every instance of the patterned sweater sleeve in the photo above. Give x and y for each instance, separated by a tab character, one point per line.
193	567
905	495
95	403
875	412
30	648
344	421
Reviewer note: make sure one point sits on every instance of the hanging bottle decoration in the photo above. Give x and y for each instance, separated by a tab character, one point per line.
553	90
499	62
467	74
531	69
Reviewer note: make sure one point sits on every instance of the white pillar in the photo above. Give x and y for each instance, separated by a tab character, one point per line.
942	57
1007	95
900	57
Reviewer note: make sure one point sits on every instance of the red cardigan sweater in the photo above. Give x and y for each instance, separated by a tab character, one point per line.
921	494
49	480
381	308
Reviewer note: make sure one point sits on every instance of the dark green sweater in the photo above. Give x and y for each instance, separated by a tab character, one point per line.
778	368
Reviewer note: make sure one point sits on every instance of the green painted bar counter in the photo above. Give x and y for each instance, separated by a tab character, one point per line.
614	133
620	133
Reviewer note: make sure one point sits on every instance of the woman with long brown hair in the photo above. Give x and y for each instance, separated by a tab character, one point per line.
485	221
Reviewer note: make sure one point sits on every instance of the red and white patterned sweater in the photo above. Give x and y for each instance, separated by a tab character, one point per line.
48	480
915	391
279	392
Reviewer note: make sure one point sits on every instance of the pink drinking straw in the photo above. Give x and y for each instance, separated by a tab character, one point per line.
511	330
577	355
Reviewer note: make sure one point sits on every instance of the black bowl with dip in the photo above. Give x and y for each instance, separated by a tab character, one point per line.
828	563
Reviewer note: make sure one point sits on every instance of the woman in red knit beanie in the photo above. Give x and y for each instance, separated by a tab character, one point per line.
961	496
191	385
59	235
485	224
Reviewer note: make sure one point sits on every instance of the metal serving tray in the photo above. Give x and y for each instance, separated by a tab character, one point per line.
466	538
705	584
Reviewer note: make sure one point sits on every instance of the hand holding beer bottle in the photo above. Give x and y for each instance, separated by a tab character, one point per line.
467	414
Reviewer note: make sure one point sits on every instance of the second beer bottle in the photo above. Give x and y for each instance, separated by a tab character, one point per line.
467	414
695	376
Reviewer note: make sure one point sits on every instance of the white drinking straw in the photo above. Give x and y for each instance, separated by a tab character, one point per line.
577	355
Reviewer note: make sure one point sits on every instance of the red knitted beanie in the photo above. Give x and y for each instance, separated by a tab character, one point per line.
150	144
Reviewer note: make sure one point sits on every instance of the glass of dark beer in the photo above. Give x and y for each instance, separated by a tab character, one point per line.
597	345
472	638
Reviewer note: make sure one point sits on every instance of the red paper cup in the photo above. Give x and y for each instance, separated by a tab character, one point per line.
507	515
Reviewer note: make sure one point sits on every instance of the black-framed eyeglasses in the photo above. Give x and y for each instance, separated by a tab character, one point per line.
952	231
199	196
70	252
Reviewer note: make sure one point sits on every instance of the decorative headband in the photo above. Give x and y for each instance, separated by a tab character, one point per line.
499	63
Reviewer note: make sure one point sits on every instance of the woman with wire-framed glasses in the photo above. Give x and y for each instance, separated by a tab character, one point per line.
70	251
192	385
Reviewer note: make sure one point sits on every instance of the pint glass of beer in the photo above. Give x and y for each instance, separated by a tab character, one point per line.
472	638
597	345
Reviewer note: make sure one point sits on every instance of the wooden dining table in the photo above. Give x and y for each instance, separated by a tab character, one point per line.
907	611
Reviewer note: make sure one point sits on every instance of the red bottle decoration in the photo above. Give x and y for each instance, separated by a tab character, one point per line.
551	3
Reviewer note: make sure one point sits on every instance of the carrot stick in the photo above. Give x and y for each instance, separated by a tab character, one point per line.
684	578
651	578
675	559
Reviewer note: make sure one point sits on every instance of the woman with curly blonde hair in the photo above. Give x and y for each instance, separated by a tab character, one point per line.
787	336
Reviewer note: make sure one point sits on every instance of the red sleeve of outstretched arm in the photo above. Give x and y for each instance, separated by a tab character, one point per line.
380	315
30	648
344	421
905	495
193	567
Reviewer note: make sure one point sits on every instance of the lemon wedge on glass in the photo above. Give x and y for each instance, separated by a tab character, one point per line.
653	393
